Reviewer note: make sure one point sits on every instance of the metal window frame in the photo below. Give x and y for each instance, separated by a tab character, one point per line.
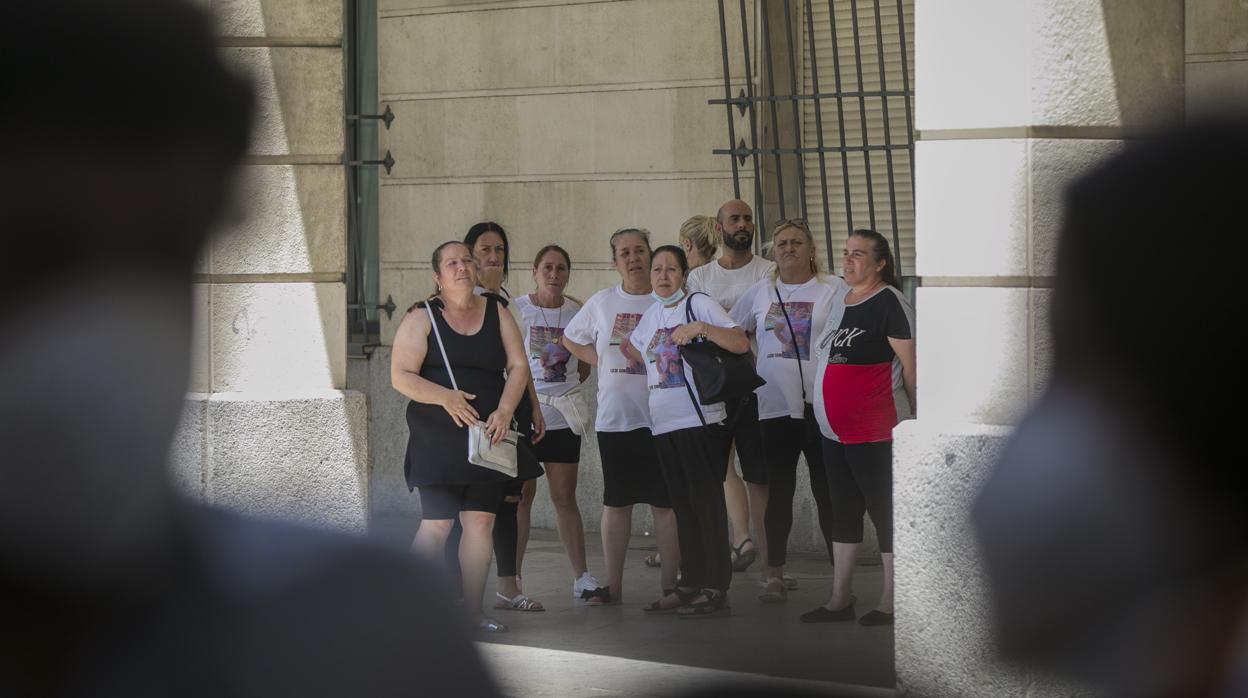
739	151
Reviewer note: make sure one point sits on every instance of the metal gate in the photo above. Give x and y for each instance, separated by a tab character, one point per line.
868	98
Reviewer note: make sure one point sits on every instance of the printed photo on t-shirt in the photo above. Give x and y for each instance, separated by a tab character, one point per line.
794	344
665	355
624	325
545	346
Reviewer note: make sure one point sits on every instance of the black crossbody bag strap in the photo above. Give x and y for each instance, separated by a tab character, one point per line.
689	318
796	350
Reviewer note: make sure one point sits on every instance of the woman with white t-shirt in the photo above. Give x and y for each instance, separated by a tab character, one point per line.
557	376
686	438
785	312
630	465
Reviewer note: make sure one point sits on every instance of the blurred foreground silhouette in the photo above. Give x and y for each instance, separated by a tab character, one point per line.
1114	528
122	133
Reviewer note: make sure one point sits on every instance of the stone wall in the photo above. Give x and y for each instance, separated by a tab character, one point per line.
268	428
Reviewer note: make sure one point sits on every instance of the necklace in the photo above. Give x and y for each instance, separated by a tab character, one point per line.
545	320
665	317
789	293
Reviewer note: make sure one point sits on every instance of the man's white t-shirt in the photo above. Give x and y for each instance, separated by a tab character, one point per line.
727	285
606	321
666	372
553	367
759	312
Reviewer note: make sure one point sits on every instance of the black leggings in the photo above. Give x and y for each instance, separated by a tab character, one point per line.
506	532
692	468
861	480
784	439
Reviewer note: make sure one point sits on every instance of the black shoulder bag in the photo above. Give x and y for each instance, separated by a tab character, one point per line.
720	375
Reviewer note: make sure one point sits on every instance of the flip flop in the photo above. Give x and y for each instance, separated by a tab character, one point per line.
519	602
741	561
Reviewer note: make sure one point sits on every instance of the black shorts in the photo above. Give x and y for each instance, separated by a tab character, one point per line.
741	427
630	469
439	502
559	446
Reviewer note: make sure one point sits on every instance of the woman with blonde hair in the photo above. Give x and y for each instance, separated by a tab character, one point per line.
699	240
784	312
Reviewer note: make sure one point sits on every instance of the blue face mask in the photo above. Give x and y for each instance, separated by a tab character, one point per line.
674	298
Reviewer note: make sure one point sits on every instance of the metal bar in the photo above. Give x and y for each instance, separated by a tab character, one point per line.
820	95
814	83
759	214
797	133
905	85
732	136
888	139
355	287
840	123
862	110
746	152
775	119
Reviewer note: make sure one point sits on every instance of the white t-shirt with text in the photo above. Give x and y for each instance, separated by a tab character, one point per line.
779	349
606	321
666	373
553	367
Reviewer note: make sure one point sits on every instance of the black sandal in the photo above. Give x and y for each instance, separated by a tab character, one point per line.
716	603
597	597
741	561
684	597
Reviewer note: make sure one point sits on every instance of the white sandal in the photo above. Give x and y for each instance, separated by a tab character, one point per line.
489	625
518	603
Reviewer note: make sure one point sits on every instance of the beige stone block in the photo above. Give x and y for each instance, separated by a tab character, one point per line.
974	223
943	636
1216	26
275	337
188	452
1048	63
279	18
300	457
1041	340
1215	88
1002	213
974	354
1055	164
660	130
201	338
296	222
551	45
299	99
1106	62
966	77
579	215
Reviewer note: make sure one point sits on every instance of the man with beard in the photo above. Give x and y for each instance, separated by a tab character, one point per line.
725	280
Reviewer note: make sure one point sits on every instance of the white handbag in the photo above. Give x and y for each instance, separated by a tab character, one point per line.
574	407
501	456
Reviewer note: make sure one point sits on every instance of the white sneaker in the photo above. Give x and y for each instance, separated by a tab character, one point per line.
585	582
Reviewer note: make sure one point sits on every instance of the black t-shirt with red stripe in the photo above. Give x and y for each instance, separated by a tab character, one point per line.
863	370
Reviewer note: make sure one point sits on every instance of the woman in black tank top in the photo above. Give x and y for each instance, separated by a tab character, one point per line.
485	352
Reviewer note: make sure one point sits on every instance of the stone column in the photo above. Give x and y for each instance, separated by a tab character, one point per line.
268	428
1014	97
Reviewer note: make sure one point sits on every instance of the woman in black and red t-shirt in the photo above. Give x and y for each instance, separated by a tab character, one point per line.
864	357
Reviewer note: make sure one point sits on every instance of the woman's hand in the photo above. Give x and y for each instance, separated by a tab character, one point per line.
539	424
497	425
687	333
456	404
